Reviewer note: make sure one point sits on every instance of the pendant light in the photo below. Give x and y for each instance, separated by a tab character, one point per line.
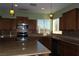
51	15
12	11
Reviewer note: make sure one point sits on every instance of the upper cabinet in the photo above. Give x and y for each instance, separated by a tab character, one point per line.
10	23
22	19
70	20
62	25
32	25
6	24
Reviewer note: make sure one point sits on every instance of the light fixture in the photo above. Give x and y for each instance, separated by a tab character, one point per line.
51	15
42	8
16	5
12	11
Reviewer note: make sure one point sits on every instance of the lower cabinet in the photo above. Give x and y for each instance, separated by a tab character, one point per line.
62	48
68	49
46	41
59	47
51	44
55	47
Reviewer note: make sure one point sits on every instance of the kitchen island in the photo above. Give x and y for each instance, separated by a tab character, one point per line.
32	47
60	45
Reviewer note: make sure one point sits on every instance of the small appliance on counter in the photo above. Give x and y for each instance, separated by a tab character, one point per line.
22	32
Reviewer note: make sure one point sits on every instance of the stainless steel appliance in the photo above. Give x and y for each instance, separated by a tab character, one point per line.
22	31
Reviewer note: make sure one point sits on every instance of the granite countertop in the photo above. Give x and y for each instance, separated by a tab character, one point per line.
17	48
69	39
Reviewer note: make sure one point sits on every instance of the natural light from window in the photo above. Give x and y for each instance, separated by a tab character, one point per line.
56	26
44	26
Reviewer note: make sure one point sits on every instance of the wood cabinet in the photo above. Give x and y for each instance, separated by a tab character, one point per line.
62	24
13	22
59	47
32	26
63	48
21	20
69	20
46	41
55	47
68	49
78	20
6	24
10	24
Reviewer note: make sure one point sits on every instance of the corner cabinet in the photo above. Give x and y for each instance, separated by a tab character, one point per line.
70	20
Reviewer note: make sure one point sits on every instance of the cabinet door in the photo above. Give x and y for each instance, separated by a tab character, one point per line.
70	18
13	22
77	19
5	24
1	25
46	41
32	26
22	20
62	22
68	49
55	47
77	50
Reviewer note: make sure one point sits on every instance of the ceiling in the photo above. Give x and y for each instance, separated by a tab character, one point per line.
36	7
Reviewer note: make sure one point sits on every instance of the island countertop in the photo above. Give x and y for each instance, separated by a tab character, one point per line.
65	38
17	48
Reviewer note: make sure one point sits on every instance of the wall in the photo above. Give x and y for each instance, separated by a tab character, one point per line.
71	6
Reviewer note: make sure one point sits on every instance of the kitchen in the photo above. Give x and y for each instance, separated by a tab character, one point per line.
30	31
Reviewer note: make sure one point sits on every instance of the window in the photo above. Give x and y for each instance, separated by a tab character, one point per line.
56	26
44	26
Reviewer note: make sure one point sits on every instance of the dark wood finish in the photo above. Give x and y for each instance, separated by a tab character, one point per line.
68	49
32	26
78	20
55	47
46	41
69	20
22	19
6	24
10	24
62	23
60	48
13	21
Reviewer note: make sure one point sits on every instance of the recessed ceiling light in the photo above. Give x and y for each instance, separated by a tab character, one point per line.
42	8
15	5
33	4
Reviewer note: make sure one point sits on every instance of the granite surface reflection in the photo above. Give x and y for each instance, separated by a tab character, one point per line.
29	47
